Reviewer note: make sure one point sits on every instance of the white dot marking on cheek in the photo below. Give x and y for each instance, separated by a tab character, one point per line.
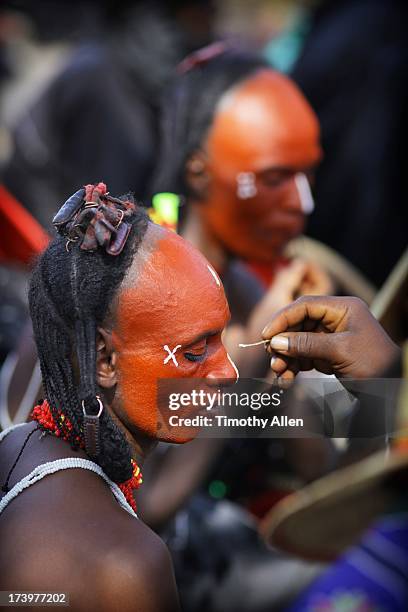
234	366
215	275
246	187
171	354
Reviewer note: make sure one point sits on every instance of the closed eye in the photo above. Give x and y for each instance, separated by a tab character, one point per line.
275	177
198	353
196	356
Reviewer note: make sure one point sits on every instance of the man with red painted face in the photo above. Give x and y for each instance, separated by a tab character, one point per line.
111	298
240	143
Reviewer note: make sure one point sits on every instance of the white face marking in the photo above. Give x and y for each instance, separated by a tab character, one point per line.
215	275
246	187
171	354
234	366
305	195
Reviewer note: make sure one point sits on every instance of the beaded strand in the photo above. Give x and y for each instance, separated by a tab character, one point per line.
43	415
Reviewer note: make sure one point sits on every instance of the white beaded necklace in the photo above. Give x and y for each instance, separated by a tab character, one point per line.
55	466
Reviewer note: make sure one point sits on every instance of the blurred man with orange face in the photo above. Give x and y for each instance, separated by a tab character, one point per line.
264	140
240	143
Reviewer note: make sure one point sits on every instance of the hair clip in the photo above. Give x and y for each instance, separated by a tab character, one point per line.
95	219
69	209
122	214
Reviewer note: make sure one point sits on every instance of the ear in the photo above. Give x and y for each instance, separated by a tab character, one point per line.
106	359
197	174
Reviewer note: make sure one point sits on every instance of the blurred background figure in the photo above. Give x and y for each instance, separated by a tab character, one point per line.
349	58
80	102
241	158
95	114
21	237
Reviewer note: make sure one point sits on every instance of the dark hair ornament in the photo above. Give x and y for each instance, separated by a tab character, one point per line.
203	56
93	218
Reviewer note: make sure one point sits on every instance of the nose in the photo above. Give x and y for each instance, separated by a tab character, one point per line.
223	372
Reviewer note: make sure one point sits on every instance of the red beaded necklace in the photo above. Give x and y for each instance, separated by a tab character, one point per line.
43	415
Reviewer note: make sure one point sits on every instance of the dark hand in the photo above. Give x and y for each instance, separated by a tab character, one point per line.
335	335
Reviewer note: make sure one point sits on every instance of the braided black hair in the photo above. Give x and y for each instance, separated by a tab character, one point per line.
188	109
69	297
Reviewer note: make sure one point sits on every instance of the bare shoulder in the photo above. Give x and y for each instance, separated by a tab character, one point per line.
105	564
140	575
132	568
74	537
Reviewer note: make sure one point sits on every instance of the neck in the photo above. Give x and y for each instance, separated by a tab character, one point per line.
140	445
195	231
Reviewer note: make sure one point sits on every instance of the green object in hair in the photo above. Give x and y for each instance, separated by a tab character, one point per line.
167	205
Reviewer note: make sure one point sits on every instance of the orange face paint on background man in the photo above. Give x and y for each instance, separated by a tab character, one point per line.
260	149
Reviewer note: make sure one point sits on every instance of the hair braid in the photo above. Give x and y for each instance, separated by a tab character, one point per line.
70	296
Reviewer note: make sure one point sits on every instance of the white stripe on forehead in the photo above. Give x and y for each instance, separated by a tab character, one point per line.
215	275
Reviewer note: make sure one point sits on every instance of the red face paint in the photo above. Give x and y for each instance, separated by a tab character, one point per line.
264	127
170	298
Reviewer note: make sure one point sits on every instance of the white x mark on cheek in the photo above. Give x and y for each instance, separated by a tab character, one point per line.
171	354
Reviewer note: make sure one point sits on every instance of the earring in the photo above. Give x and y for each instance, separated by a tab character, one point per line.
246	187
196	165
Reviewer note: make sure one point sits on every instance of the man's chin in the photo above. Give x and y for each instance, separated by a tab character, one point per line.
180	437
264	257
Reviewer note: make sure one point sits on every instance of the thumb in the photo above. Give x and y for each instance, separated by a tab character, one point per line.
308	345
291	276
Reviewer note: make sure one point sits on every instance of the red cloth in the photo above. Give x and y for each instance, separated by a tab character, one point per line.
266	272
22	237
